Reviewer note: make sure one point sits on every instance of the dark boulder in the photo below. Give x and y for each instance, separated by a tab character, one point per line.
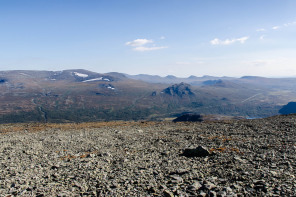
196	152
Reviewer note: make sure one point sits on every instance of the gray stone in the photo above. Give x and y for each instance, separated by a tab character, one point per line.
176	178
195	186
168	193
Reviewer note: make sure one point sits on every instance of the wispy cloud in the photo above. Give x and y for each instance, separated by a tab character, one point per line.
138	42
141	45
217	41
148	48
276	27
290	24
262	37
284	25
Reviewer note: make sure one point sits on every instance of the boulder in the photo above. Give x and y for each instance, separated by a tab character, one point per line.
196	152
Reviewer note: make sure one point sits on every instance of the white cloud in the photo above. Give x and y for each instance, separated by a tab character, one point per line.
217	41
141	45
142	48
162	38
262	37
243	39
290	24
138	42
275	27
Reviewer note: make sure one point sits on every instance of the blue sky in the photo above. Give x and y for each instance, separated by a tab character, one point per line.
161	37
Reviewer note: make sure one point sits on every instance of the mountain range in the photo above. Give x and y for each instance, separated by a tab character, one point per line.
80	95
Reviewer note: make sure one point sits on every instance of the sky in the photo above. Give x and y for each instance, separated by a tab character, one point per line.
159	37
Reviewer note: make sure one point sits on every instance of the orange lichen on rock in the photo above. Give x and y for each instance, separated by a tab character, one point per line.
224	149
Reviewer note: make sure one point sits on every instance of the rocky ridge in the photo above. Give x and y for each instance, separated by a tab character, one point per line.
181	89
240	158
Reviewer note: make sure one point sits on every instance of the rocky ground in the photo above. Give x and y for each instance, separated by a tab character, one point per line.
242	158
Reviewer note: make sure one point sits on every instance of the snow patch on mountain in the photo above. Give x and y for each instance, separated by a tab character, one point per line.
97	79
80	74
24	74
108	86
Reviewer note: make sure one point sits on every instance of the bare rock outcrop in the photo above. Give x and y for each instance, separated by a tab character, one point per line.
181	89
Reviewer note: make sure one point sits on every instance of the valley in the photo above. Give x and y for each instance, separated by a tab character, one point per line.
81	95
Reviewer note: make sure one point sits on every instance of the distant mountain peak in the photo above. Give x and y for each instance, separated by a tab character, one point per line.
192	77
221	84
171	77
81	75
180	90
290	108
212	82
117	75
206	76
